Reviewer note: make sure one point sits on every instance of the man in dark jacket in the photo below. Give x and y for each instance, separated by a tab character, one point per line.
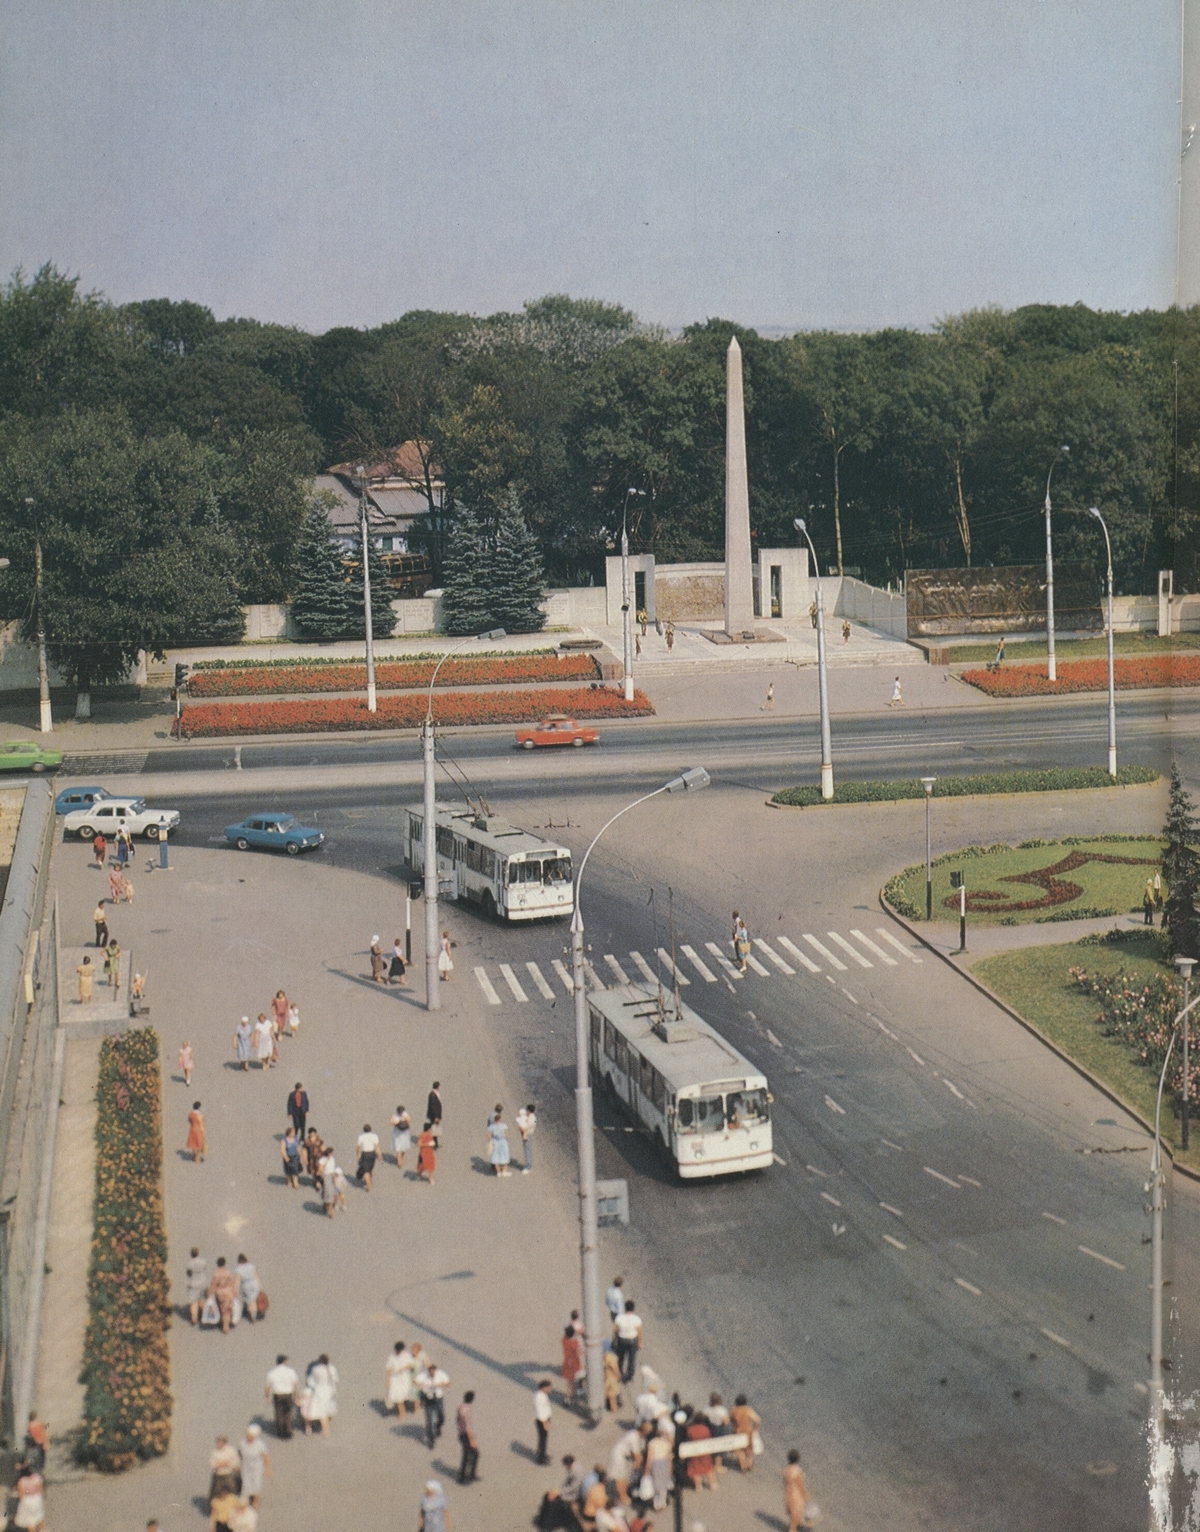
297	1108
433	1112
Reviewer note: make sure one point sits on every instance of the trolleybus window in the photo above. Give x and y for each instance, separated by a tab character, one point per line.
610	1040
445	841
702	1114
525	872
557	869
746	1107
622	1055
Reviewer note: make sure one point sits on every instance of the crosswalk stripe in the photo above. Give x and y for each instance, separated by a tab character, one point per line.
899	946
846	947
733	972
593	977
758	968
825	952
664	958
621	976
861	936
646	971
774	956
699	964
535	973
485	985
510	979
568	981
801	957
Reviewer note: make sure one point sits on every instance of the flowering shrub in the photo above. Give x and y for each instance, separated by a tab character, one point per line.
1088	676
126	1363
1057	891
1139	1012
406	710
473	670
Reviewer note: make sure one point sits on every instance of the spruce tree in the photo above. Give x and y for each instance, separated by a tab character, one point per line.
516	574
383	618
321	607
1181	869
467	575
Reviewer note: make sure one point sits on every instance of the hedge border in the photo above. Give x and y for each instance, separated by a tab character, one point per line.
1053	779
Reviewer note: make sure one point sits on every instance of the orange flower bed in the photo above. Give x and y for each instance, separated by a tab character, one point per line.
1088	676
276	680
406	711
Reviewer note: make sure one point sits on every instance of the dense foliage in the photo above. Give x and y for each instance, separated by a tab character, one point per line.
1139	1012
1181	868
1052	780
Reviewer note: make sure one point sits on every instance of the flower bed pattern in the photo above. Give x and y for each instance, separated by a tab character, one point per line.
1140	1012
476	670
405	711
991	900
126	1362
1088	676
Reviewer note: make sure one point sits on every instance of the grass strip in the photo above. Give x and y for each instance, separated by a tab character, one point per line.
1075	649
1054	779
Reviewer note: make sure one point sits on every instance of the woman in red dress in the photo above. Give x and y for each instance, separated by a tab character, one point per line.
573	1366
426	1158
701	1470
197	1139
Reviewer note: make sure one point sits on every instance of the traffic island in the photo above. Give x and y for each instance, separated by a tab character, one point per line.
1053	780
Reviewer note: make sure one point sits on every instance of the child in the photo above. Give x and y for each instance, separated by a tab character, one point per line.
126	890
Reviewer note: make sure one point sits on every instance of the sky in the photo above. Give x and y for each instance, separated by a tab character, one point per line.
786	164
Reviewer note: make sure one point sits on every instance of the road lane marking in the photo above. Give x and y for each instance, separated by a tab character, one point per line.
831	980
967	1248
621	976
510	979
888	1208
899	946
853	951
773	1040
969	1286
485	985
664	957
938	1176
849	996
833	1106
1054	1218
890	1145
969	1181
895	1243
535	973
592	976
1057	1339
237	757
778	1160
916	1056
699	964
774	956
829	1198
801	957
815	1171
644	968
758	968
1096	1256
733	972
825	952
865	940
950	1086
887	1032
567	981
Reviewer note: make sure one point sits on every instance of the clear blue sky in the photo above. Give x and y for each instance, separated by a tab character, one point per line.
816	163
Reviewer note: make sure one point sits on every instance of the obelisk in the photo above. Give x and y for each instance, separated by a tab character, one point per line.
739	587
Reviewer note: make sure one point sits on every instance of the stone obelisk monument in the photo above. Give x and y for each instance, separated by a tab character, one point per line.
739	587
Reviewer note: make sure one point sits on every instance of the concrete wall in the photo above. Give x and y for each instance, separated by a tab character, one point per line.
792	564
639	563
584	606
860	602
690	591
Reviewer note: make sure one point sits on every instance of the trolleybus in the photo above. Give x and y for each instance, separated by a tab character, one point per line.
506	870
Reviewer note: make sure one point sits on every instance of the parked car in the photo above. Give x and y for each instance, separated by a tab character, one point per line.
275	832
109	814
557	729
28	755
78	798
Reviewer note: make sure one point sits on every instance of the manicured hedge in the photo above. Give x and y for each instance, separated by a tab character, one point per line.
469	670
336	659
126	1362
1149	670
406	711
1056	779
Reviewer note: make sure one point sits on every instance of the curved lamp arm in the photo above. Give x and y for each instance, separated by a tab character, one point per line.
475	638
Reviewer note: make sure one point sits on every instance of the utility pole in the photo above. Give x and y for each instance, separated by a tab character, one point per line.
362	505
1051	671
626	615
45	718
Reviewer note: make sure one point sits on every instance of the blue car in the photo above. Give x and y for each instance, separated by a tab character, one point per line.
72	798
277	832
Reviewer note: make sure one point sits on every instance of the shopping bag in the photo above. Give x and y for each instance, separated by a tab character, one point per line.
210	1314
262	1303
646	1488
238	1306
812	1513
756	1443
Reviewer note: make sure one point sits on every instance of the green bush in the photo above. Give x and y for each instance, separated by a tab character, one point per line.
1055	779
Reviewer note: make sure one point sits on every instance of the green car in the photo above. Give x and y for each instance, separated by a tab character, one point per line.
28	755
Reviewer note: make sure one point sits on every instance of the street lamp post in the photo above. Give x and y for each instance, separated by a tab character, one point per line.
822	685
589	1234
362	506
927	784
626	618
1185	966
1051	671
45	717
433	998
1112	694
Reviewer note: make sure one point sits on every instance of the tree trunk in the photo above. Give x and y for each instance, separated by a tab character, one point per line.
964	525
837	509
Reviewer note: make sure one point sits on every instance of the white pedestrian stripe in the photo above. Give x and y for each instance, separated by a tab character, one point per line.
664	958
510	979
752	962
801	957
1057	1339
773	1040
969	1286
699	964
535	973
969	1181
1054	1218
722	959
485	985
833	1106
621	976
938	1176
1107	1259
861	936
825	952
846	947
899	946
888	1208
774	956
829	1197
593	977
647	972
895	1242
567	980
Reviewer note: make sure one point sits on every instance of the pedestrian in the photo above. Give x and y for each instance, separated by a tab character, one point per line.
643	619
464	1421
701	1470
433	1111
224	1288
745	1423
293	1018
30	1513
812	613
101	923
297	1107
377	963
396	969
526	1120
225	1467
112	965
614	1298
314	1153
398	1372
87	977
326	1170
769	705
187	1062
659	1459
280	1009
282	1382
137	989
498	1150
573	1363
99	849
264	1042
243	1040
670	634
627	1332
796	1503
244	1518
999	660
435	1509
845	630
127	890
741	941
1148	904
612	1380
115	881
624	1461
256	1462
426	1158
401	1136
1158	890
289	1150
249	1286
339	1186
897	698
368	1150
445	961
37	1442
637	645
322	1379
541	1419
196	1280
122	848
197	1139
432	1383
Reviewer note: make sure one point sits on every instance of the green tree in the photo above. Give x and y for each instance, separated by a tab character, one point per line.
468	593
515	575
322	605
1181	869
383	618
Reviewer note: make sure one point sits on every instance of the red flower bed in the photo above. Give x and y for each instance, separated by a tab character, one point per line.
276	680
405	711
1088	676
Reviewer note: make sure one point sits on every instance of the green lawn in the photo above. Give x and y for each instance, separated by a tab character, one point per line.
1036	982
1104	888
1022	652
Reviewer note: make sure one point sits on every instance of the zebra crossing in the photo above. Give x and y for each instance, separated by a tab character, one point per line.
816	958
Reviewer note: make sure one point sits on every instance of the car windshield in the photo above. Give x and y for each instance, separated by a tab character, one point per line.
746	1108
701	1114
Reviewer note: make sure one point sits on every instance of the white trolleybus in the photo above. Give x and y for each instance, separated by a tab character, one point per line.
708	1106
507	871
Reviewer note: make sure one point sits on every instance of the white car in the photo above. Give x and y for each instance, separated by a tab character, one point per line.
107	817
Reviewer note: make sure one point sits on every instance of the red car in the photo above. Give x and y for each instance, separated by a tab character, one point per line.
558	729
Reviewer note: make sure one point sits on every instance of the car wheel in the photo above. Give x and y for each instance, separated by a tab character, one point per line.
292	848
151	832
577	743
242	843
38	766
489	905
528	743
86	832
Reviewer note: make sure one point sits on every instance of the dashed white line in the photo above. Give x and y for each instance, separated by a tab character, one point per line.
888	1208
887	1032
510	979
895	1243
815	1171
853	951
1054	1218
773	956
778	1159
938	1176
773	1040
861	936
664	957
890	1145
835	962
899	946
830	1198
621	976
1096	1256
915	1056
485	985
644	969
952	1088
535	973
699	964
969	1286
829	979
970	1181
568	982
801	957
1057	1339
734	973
833	1106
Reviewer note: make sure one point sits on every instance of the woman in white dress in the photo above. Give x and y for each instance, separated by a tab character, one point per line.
250	1286
398	1371
323	1380
264	1042
30	1514
401	1135
445	961
256	1462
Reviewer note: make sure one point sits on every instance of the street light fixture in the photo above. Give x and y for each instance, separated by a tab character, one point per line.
626	620
589	1235
822	685
433	998
1185	966
1051	671
1112	694
927	784
366	563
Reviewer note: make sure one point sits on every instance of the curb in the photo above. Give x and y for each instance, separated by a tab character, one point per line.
1080	1069
1039	792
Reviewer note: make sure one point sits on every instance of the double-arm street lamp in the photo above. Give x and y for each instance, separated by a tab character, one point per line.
1051	671
822	685
626	616
589	1233
1112	694
433	998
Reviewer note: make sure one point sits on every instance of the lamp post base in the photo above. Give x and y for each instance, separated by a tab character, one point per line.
827	781
1112	763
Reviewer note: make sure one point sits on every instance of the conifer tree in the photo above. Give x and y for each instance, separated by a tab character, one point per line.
516	574
467	575
1181	869
321	607
383	618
